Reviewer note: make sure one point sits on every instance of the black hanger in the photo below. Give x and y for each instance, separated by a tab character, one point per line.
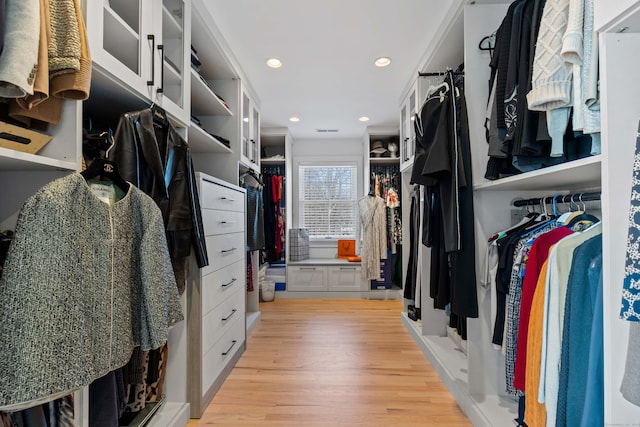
253	175
106	169
159	115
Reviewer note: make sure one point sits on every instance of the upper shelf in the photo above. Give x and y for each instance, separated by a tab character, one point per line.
12	160
579	174
201	142
386	160
204	102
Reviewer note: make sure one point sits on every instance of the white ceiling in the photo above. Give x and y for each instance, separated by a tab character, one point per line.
328	47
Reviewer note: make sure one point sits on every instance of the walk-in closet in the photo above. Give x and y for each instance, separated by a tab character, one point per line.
340	212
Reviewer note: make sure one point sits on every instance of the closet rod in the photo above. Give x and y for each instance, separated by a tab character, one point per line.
440	73
559	198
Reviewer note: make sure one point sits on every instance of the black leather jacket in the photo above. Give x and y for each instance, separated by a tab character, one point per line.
156	159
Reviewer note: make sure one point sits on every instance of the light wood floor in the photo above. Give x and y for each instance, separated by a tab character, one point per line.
328	362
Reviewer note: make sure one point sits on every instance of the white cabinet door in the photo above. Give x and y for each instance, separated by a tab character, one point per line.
173	60
407	131
307	278
250	132
122	41
345	278
142	45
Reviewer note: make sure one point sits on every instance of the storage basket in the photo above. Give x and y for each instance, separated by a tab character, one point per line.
267	291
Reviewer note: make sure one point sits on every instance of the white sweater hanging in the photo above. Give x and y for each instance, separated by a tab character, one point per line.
373	220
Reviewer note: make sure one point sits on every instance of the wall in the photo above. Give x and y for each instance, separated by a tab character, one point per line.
605	10
330	150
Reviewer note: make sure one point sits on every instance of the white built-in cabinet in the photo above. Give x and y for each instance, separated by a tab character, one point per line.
225	104
325	275
216	295
250	132
144	46
408	109
141	55
620	91
476	379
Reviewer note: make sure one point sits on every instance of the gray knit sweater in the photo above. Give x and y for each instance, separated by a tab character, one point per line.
83	284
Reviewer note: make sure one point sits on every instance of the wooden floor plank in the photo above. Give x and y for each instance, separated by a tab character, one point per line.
332	362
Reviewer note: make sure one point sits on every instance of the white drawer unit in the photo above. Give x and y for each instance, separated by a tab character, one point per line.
224	249
223	222
325	276
223	198
307	278
345	278
217	295
219	285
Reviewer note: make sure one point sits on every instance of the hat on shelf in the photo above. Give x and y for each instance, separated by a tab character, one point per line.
377	148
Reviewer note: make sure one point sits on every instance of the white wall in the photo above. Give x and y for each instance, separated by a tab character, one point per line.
323	149
605	10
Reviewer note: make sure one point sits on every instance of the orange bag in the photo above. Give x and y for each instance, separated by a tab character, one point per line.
346	248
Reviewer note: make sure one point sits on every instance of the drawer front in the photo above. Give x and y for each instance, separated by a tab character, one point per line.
346	278
219	285
216	196
216	322
215	360
224	250
222	222
307	278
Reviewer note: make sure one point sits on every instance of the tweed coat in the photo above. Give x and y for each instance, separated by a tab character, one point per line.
84	283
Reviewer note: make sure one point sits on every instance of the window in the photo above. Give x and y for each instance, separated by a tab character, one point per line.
328	200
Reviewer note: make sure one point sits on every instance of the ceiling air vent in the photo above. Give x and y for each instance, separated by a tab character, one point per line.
326	130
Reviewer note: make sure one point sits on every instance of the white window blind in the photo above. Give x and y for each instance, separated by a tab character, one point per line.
328	200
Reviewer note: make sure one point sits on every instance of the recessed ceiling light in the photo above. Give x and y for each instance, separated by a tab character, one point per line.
383	61
274	63
364	119
294	119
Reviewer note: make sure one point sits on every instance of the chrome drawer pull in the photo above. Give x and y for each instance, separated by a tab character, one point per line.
348	268
229	349
224	285
227	222
308	268
227	199
224	251
224	319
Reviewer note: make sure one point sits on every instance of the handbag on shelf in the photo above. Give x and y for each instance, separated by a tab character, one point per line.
346	248
298	244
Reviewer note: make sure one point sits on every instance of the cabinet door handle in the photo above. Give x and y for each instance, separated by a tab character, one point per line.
308	268
224	285
227	199
226	251
227	222
233	343
161	88
153	63
224	319
348	268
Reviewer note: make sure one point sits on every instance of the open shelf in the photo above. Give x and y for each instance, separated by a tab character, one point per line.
12	160
201	142
576	175
204	102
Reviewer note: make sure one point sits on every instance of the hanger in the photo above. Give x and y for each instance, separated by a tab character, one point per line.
488	43
107	169
443	87
253	175
579	222
159	115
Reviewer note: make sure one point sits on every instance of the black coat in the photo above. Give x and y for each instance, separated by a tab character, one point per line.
155	158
